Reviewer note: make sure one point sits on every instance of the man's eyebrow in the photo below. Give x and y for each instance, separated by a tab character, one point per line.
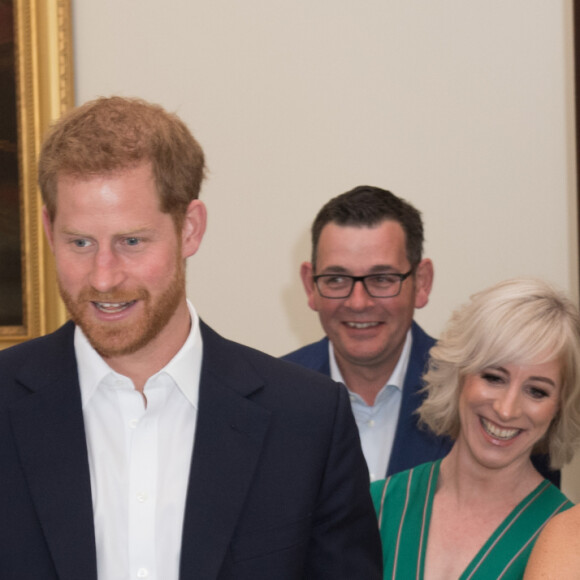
378	268
70	232
335	270
134	232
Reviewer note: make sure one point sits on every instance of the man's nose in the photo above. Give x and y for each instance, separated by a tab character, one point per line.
107	270
359	297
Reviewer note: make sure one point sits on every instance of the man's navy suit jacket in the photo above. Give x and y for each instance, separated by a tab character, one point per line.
412	444
278	487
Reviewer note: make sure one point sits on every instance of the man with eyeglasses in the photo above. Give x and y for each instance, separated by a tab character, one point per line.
365	280
366	277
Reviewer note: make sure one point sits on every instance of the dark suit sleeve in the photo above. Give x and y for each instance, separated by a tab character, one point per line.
344	542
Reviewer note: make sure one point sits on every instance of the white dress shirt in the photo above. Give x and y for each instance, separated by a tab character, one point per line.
139	459
377	423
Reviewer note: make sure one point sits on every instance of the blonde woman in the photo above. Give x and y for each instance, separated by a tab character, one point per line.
503	383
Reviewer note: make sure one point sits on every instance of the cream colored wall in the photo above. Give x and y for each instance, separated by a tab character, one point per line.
463	108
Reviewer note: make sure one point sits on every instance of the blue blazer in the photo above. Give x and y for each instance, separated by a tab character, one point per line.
278	486
412	445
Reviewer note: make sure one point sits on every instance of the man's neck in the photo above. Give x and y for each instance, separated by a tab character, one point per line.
150	359
366	381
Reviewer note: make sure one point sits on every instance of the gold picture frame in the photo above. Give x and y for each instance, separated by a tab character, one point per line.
42	48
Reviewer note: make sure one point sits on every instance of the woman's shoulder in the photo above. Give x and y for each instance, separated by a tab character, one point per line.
568	522
556	553
552	496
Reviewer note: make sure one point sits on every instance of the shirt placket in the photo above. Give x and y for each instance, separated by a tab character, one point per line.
141	428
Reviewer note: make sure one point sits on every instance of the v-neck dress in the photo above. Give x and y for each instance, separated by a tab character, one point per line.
404	504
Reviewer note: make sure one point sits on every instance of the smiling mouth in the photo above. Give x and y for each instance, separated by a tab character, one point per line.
498	432
362	325
113	307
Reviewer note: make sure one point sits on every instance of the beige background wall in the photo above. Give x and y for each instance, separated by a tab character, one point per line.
465	108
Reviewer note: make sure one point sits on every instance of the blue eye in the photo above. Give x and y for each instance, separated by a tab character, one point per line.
132	241
81	243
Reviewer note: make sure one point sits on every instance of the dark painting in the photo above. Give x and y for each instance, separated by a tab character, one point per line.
11	308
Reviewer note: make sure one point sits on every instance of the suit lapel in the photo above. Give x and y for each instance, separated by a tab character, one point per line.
413	444
321	357
229	438
50	439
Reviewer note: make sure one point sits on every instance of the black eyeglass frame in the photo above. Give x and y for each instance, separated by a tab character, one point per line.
362	279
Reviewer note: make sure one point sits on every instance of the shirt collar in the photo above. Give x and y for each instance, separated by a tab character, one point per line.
184	368
397	378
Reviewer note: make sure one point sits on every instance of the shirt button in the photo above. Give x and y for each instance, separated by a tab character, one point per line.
142	497
371	423
133	423
142	573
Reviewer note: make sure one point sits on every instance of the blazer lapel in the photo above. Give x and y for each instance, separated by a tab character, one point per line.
50	439
413	444
229	437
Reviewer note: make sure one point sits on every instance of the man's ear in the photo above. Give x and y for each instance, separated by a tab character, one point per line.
306	273
193	227
47	225
423	282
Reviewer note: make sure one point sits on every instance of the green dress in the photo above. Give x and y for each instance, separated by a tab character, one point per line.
404	502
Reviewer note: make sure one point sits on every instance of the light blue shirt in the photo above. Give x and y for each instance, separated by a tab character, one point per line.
377	423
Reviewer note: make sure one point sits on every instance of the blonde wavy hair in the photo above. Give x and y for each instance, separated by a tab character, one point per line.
516	321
